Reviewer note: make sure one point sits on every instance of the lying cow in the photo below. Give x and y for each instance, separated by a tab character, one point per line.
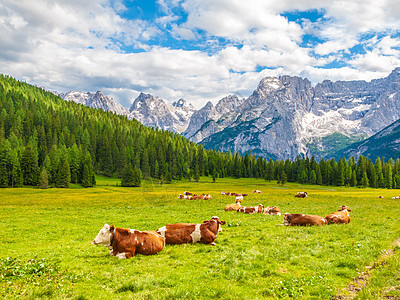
380	196
272	211
182	233
187	193
125	243
301	195
234	206
302	220
257	192
340	216
251	210
397	197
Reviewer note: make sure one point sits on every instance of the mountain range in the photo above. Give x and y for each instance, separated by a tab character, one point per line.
285	116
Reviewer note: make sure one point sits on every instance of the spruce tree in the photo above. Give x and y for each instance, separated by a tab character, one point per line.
128	177
283	178
136	177
43	179
353	180
313	177
364	180
29	166
63	175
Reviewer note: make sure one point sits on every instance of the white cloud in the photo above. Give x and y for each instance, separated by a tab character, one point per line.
80	45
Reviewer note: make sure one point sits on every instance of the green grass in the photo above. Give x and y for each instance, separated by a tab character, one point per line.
46	251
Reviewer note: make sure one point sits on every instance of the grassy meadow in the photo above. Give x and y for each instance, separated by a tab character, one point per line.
46	250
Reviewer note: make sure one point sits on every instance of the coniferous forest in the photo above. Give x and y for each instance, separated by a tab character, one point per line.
46	141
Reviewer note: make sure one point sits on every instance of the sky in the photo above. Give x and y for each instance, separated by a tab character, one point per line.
198	50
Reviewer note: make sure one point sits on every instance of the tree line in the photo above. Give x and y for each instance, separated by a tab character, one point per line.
46	141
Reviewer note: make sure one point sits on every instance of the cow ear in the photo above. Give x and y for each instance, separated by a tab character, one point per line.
223	222
111	228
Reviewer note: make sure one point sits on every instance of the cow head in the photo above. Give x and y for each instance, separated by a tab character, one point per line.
218	221
103	238
286	219
344	207
260	208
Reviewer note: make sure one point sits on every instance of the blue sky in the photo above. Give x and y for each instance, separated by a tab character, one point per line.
197	50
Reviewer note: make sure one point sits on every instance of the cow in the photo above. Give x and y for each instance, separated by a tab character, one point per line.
182	196
187	193
239	198
251	210
207	197
340	216
257	192
301	195
397	197
183	233
272	211
233	206
302	220
381	197
125	243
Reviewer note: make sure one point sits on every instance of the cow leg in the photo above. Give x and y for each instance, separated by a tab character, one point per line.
121	255
111	252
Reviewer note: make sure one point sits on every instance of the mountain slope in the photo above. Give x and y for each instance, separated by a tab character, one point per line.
385	143
286	116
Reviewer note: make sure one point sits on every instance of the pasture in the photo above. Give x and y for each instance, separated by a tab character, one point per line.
46	250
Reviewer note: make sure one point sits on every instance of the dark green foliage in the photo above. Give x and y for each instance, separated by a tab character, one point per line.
72	142
43	179
131	176
63	175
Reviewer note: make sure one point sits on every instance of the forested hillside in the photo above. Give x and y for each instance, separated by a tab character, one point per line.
44	139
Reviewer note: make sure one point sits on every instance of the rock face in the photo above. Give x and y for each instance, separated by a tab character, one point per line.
386	143
95	100
155	112
286	116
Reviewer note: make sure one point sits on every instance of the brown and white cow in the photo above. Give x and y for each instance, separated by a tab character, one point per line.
272	211
125	243
257	192
182	233
340	216
301	195
187	193
303	220
207	197
234	206
251	210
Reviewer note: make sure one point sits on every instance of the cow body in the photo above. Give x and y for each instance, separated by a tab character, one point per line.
234	206
341	216
251	210
125	243
301	195
272	211
303	220
183	233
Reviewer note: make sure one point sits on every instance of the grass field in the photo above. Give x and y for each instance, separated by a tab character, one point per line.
46	250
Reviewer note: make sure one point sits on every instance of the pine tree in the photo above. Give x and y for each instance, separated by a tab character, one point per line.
43	179
283	178
353	180
364	180
29	166
63	175
87	178
388	176
313	177
128	177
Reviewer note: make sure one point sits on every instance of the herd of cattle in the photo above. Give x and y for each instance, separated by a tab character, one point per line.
125	243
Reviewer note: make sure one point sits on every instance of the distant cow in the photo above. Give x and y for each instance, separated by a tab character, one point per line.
397	197
207	197
182	196
125	243
182	233
380	196
233	206
251	210
340	216
187	193
272	211
302	220
257	192
301	195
